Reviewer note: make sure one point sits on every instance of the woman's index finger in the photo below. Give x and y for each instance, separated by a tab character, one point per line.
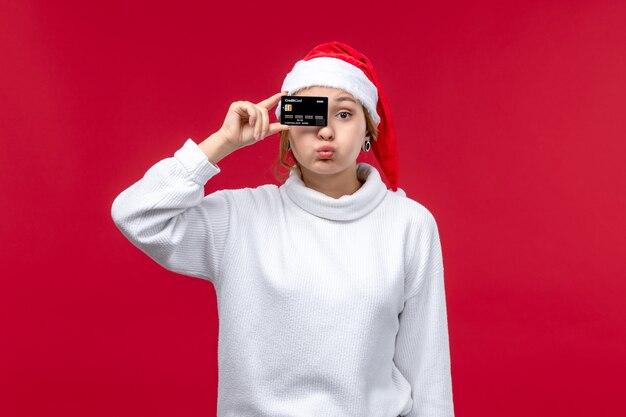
270	102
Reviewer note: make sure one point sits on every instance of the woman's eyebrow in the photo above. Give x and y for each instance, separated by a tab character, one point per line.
344	98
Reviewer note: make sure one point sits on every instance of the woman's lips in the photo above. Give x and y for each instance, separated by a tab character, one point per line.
325	154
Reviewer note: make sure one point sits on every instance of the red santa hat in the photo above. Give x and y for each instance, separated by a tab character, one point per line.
335	64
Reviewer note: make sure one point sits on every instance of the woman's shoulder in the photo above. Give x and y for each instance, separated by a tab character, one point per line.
264	195
408	207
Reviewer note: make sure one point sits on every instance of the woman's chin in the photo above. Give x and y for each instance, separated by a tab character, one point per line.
324	167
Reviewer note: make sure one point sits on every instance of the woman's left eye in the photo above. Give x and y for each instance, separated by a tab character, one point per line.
344	112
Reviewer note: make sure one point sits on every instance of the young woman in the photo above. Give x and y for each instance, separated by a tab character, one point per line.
330	286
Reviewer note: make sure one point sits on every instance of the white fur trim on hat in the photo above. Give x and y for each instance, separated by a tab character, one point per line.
335	73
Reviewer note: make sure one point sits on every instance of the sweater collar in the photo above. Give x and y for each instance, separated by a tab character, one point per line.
346	207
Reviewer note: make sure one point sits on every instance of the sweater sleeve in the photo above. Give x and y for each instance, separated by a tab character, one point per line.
166	215
422	351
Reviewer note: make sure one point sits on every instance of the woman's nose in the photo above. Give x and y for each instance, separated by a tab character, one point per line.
326	133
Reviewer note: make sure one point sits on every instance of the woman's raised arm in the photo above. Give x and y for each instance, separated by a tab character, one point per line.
165	213
167	216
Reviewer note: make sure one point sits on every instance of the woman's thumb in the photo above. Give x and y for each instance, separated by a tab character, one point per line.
276	127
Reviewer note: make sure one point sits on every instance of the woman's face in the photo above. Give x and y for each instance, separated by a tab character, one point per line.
344	133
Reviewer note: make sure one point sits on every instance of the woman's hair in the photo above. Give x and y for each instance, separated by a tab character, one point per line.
285	157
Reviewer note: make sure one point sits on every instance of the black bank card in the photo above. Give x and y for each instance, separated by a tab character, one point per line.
303	110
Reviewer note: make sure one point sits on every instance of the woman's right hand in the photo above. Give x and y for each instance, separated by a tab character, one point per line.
247	123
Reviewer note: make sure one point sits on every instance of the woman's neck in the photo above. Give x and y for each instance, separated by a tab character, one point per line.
336	185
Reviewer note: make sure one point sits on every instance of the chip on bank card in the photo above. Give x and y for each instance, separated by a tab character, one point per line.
303	110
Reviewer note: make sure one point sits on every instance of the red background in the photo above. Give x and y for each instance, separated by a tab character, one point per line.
510	119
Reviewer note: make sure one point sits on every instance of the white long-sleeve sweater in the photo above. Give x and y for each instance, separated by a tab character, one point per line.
327	307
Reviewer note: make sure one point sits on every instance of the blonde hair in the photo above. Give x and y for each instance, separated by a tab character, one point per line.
285	157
